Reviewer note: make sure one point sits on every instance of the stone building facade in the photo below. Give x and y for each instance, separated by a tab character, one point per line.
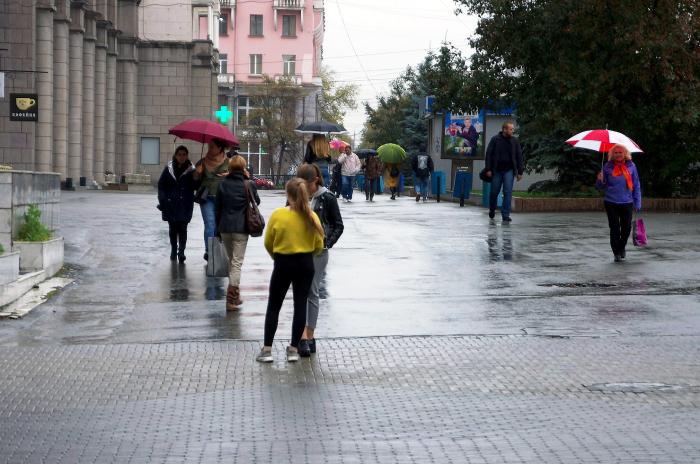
106	97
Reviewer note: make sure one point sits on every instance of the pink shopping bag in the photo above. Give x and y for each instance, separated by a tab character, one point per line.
639	233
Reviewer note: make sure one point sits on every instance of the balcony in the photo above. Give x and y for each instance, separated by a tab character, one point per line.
226	79
227	3
293	5
294	78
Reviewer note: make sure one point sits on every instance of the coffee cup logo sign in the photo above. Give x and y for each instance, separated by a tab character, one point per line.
24	107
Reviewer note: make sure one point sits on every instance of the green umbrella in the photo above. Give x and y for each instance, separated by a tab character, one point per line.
391	153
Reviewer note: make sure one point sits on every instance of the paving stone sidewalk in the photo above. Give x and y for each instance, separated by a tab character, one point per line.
441	399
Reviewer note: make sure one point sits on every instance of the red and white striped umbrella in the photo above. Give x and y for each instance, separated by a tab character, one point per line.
602	140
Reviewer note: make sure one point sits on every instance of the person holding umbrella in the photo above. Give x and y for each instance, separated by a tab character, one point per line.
351	166
392	155
318	153
619	180
176	200
209	172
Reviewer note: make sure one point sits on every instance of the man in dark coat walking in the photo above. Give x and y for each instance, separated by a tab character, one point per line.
504	164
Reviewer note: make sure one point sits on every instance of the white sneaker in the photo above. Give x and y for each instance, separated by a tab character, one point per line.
292	355
264	356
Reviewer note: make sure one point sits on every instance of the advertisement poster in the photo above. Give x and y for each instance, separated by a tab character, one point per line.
24	107
462	136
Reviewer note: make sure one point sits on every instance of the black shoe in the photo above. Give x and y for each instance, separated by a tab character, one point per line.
181	257
303	349
507	219
312	345
492	213
623	255
618	258
206	256
173	256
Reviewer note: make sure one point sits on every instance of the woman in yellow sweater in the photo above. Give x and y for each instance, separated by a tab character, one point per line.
293	235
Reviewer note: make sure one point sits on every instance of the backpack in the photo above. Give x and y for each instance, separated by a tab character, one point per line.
394	172
423	163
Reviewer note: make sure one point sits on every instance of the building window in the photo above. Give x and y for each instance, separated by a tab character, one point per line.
150	150
256	25
256	65
223	24
289	26
243	112
253	153
223	63
289	62
203	27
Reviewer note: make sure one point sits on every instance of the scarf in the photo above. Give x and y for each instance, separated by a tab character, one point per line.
620	169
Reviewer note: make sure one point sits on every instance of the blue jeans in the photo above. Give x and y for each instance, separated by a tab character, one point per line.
422	187
208	209
505	180
347	186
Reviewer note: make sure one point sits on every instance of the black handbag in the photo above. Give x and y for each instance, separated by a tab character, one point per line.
201	195
254	221
483	176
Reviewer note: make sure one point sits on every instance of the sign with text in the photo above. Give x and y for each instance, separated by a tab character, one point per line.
24	107
462	136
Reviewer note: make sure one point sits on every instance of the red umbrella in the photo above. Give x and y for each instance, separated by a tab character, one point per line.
201	130
603	140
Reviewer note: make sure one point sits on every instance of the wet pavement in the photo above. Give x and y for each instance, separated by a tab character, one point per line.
444	338
400	268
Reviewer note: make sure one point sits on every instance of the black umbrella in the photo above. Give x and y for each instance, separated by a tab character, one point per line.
320	127
365	152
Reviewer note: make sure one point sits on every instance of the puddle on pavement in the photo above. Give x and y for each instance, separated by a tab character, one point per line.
635	387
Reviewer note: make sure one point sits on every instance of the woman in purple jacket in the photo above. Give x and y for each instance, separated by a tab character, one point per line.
620	181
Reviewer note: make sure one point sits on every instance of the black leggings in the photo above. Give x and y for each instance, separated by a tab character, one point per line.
178	235
620	222
371	186
297	270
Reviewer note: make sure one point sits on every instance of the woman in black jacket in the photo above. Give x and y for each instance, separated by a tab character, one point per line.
231	207
325	205
176	200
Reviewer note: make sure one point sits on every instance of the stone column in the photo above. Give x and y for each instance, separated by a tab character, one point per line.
60	86
111	103
88	151
100	101
127	78
44	85
75	96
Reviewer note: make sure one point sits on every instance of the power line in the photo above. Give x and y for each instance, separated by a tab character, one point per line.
353	47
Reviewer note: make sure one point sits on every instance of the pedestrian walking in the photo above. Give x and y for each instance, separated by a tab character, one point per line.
392	178
231	208
619	180
336	179
293	236
504	163
318	152
350	167
208	174
325	205
373	170
423	167
176	200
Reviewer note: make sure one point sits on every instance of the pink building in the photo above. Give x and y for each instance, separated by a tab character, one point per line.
274	38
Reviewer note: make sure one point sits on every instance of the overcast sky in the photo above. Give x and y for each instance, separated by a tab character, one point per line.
387	35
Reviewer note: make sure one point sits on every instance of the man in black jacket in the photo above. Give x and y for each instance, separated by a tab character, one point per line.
504	164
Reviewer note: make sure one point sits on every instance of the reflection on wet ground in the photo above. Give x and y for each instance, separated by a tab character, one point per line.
401	268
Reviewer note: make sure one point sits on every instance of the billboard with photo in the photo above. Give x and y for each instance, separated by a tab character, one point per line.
462	136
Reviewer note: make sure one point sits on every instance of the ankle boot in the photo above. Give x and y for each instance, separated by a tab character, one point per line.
233	298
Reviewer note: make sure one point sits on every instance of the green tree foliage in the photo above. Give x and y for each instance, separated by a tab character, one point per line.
572	65
33	230
336	98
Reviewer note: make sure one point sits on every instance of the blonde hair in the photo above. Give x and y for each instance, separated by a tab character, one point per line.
298	198
628	155
237	163
309	172
320	146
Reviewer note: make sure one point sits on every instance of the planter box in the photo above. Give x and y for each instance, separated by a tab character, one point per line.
9	267
37	256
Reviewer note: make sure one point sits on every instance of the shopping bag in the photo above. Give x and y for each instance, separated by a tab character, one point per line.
217	266
639	233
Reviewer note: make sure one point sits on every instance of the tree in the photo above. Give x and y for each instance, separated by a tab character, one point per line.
335	99
274	119
571	65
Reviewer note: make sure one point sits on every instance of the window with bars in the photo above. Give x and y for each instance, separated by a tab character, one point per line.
289	26
256	64
289	63
243	112
256	25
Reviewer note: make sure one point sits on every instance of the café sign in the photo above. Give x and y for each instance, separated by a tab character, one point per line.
24	107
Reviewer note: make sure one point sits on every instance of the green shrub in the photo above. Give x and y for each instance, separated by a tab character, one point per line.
33	230
2	249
